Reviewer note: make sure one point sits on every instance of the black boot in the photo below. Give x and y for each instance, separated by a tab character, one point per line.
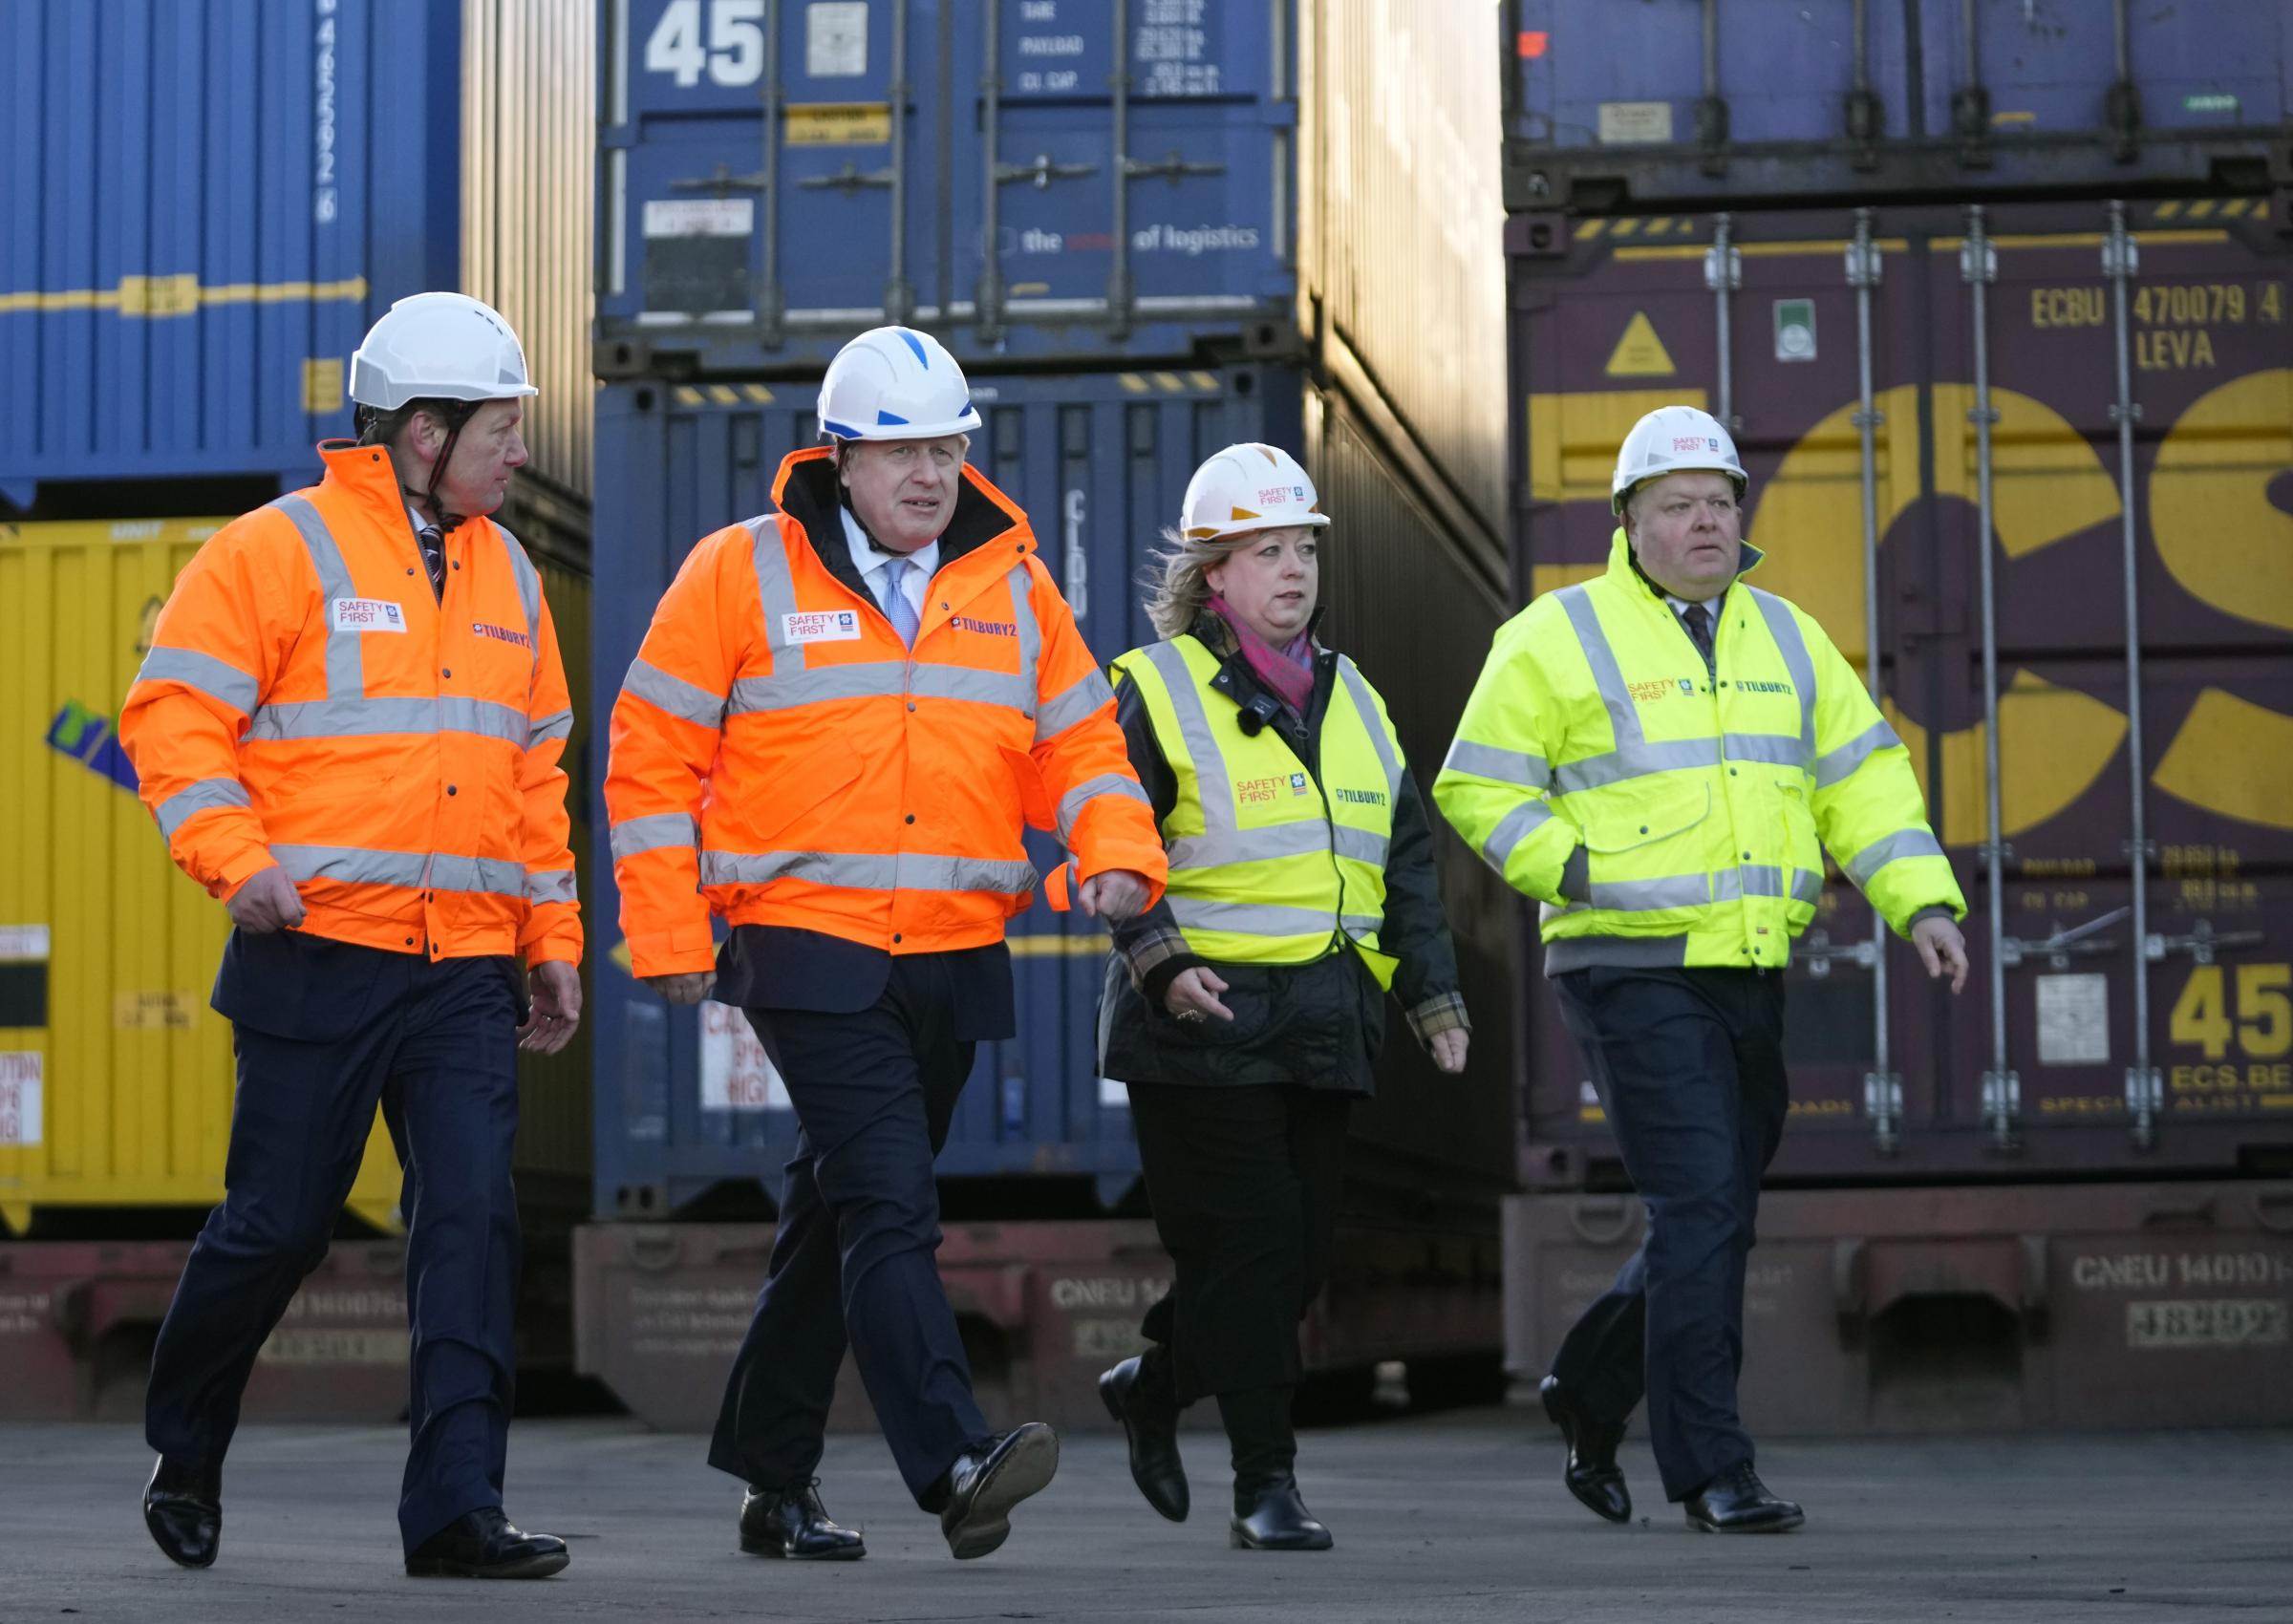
1137	1393
182	1508
1268	1514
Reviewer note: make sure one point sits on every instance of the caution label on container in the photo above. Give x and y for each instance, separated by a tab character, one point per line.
838	124
1640	352
20	1084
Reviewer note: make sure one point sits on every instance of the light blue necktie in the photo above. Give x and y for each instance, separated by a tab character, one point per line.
897	606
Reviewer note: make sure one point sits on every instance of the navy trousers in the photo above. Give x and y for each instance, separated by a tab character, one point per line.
1690	1065
434	1045
854	1262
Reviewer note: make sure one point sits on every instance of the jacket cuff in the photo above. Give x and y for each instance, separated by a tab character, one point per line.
1575	877
1158	957
1442	1013
679	951
1933	910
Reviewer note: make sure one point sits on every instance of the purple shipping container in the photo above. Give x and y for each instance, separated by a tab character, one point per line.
2131	1006
1642	103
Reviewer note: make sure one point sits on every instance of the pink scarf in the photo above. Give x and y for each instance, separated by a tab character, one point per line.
1288	671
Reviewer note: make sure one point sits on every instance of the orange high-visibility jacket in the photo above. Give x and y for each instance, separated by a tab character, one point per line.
309	702
779	757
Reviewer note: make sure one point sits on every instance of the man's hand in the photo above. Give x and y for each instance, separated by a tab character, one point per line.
266	901
1448	1048
1116	895
687	989
1193	996
1941	948
555	986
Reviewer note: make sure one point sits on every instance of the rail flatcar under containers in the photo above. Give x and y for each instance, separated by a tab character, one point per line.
208	203
2040	457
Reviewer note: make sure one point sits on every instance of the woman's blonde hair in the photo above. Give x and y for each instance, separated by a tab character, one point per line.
1175	581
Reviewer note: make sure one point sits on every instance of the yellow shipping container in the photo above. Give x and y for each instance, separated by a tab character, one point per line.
115	1079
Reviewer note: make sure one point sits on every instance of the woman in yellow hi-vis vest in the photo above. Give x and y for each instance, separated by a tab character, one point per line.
1245	1008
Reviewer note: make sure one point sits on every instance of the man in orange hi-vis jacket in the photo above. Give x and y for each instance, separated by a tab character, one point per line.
841	717
349	728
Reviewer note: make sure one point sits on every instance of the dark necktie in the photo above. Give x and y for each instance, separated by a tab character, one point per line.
434	559
1699	622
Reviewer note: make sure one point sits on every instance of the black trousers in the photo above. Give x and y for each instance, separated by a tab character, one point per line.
1690	1065
853	1262
1245	1184
436	1045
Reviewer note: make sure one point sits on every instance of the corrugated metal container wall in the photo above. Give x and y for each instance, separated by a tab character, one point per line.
528	192
210	203
1644	103
685	1103
115	1079
2089	948
1401	225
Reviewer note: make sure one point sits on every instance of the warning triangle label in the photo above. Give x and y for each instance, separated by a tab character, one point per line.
1640	352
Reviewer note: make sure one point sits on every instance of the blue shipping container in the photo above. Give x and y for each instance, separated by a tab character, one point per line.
207	202
1642	103
1063	180
1100	462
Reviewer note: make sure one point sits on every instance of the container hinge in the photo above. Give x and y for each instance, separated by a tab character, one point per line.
1175	166
1042	172
2201	943
1883	1104
2002	1097
1978	260
1722	270
2079	941
2132	411
2145	1090
1817	951
1863	262
2149	847
2121	255
2005	848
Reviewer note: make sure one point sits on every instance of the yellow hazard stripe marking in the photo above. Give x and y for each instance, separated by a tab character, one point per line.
182	295
1057	947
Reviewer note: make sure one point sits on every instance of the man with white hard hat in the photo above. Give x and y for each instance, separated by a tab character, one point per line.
349	730
842	718
1662	756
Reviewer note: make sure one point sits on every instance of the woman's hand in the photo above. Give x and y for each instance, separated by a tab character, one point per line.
1448	1049
1193	996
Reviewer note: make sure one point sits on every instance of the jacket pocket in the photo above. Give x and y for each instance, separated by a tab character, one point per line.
1802	850
1027	783
1614	829
799	789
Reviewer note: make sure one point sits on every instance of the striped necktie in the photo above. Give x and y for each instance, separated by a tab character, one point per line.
434	559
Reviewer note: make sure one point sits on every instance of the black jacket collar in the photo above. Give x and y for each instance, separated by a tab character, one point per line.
813	496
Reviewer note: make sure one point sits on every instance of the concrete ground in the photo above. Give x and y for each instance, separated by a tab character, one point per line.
1458	1517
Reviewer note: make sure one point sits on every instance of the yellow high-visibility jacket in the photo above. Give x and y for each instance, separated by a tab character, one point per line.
1666	815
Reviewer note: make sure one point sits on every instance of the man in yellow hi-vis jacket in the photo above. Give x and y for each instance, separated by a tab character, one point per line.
1660	756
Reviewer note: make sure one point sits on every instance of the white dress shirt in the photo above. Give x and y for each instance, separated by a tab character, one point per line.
873	564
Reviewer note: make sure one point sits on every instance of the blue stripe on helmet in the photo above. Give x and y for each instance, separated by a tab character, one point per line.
841	431
915	344
882	418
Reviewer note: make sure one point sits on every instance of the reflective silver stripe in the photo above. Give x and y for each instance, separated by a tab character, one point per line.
1262	919
1214	786
362	719
1784	626
1071	804
1362	845
1835	766
554	885
177	809
632	835
1190	853
547	728
673	694
1807	886
1648	896
776	591
1774	748
863	679
346	666
1512	829
914	871
529	588
412	869
1903	842
1623	716
1505	766
1366	704
218	679
1031	634
931	681
1750	879
1635	761
1080	701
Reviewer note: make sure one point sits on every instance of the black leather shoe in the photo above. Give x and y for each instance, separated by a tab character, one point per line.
1592	1474
1151	1424
1270	1516
986	1483
1737	1502
792	1522
484	1545
182	1508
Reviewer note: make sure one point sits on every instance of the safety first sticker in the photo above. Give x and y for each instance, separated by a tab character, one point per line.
368	614
20	1095
821	626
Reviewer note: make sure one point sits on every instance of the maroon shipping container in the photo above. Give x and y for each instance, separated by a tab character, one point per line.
2112	388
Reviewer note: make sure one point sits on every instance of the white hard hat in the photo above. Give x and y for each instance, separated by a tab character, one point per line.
1248	487
439	347
1674	439
896	383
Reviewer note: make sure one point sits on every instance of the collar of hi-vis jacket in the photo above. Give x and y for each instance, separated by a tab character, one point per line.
1624	565
365	473
806	490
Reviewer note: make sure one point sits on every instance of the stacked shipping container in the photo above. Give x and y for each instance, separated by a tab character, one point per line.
2025	459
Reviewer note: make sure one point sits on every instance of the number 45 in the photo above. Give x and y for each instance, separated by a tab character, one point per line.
2203	1016
736	50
